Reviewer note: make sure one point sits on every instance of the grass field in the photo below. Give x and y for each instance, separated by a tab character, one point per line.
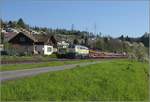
38	65
116	80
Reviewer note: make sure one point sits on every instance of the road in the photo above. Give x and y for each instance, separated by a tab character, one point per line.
11	75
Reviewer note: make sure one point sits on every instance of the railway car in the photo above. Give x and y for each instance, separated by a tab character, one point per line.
78	51
99	54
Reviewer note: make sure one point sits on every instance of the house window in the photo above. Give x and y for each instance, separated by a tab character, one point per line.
49	49
22	39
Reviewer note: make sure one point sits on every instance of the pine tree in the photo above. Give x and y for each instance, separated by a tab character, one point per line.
21	23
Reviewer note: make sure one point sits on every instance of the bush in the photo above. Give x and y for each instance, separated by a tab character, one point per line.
138	52
3	53
50	56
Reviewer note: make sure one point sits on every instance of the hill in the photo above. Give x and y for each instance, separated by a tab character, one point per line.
89	39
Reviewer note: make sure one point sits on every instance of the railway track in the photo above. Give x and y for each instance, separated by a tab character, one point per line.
53	59
28	61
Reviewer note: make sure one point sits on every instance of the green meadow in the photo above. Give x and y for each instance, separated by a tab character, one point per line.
115	80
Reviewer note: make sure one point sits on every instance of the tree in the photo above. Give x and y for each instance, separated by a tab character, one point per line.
138	52
75	41
99	44
21	23
12	24
86	41
129	39
105	45
3	24
2	38
126	46
53	40
121	37
100	34
145	39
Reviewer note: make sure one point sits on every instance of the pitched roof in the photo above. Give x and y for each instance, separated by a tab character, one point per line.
35	37
43	38
9	35
24	33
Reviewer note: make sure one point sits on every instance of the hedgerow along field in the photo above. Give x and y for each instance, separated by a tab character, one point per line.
117	80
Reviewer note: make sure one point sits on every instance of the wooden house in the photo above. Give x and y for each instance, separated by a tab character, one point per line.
28	43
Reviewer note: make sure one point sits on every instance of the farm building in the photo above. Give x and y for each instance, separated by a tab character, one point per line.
27	43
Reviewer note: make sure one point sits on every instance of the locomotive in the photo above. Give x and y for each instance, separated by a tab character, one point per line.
78	51
74	51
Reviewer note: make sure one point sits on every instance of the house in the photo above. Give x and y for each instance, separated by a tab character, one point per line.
1	47
62	44
11	30
27	43
34	32
3	31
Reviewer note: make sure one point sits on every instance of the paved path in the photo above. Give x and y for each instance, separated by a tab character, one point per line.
10	75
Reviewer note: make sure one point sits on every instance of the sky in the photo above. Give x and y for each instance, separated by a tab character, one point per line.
110	17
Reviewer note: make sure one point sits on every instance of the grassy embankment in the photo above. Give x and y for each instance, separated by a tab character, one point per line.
27	58
38	65
116	80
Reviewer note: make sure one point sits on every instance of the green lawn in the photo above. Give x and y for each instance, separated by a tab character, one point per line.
38	65
116	80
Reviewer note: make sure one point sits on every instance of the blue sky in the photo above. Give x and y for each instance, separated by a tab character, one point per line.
116	17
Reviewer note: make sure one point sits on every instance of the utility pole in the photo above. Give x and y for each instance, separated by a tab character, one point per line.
95	28
86	29
94	34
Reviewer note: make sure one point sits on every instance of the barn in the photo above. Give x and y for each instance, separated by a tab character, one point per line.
27	43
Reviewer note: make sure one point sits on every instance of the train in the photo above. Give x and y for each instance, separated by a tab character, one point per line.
83	52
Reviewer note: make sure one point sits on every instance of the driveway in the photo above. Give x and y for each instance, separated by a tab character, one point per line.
11	75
